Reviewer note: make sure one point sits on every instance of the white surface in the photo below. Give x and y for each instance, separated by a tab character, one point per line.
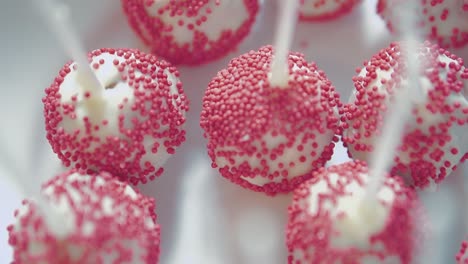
204	218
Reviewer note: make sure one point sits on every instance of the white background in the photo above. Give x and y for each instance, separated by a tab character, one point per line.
204	218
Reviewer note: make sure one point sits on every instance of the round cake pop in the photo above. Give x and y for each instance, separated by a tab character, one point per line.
435	139
191	31
462	256
323	10
269	138
443	21
129	127
103	221
328	224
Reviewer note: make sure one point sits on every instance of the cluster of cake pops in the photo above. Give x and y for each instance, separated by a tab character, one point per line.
271	119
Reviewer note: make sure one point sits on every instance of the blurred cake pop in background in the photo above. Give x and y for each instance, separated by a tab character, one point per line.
444	22
435	139
191	32
103	221
327	223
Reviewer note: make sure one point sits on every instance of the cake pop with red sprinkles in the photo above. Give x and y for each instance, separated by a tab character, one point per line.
327	223
435	140
103	221
115	110
462	255
442	21
270	117
266	138
129	127
191	31
324	10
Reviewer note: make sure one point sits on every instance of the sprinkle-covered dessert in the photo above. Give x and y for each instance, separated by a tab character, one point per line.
330	222
191	31
265	137
442	21
103	220
435	139
128	125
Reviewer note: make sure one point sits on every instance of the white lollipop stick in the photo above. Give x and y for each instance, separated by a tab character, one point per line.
279	71
57	16
400	110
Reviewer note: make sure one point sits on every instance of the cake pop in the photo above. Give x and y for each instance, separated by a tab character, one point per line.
102	221
129	127
266	138
191	31
323	10
328	222
443	21
435	141
115	110
462	256
270	117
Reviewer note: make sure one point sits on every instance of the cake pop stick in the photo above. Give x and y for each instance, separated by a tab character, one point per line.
394	124
57	16
279	71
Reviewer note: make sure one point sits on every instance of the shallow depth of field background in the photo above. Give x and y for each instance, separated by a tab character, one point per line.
204	218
